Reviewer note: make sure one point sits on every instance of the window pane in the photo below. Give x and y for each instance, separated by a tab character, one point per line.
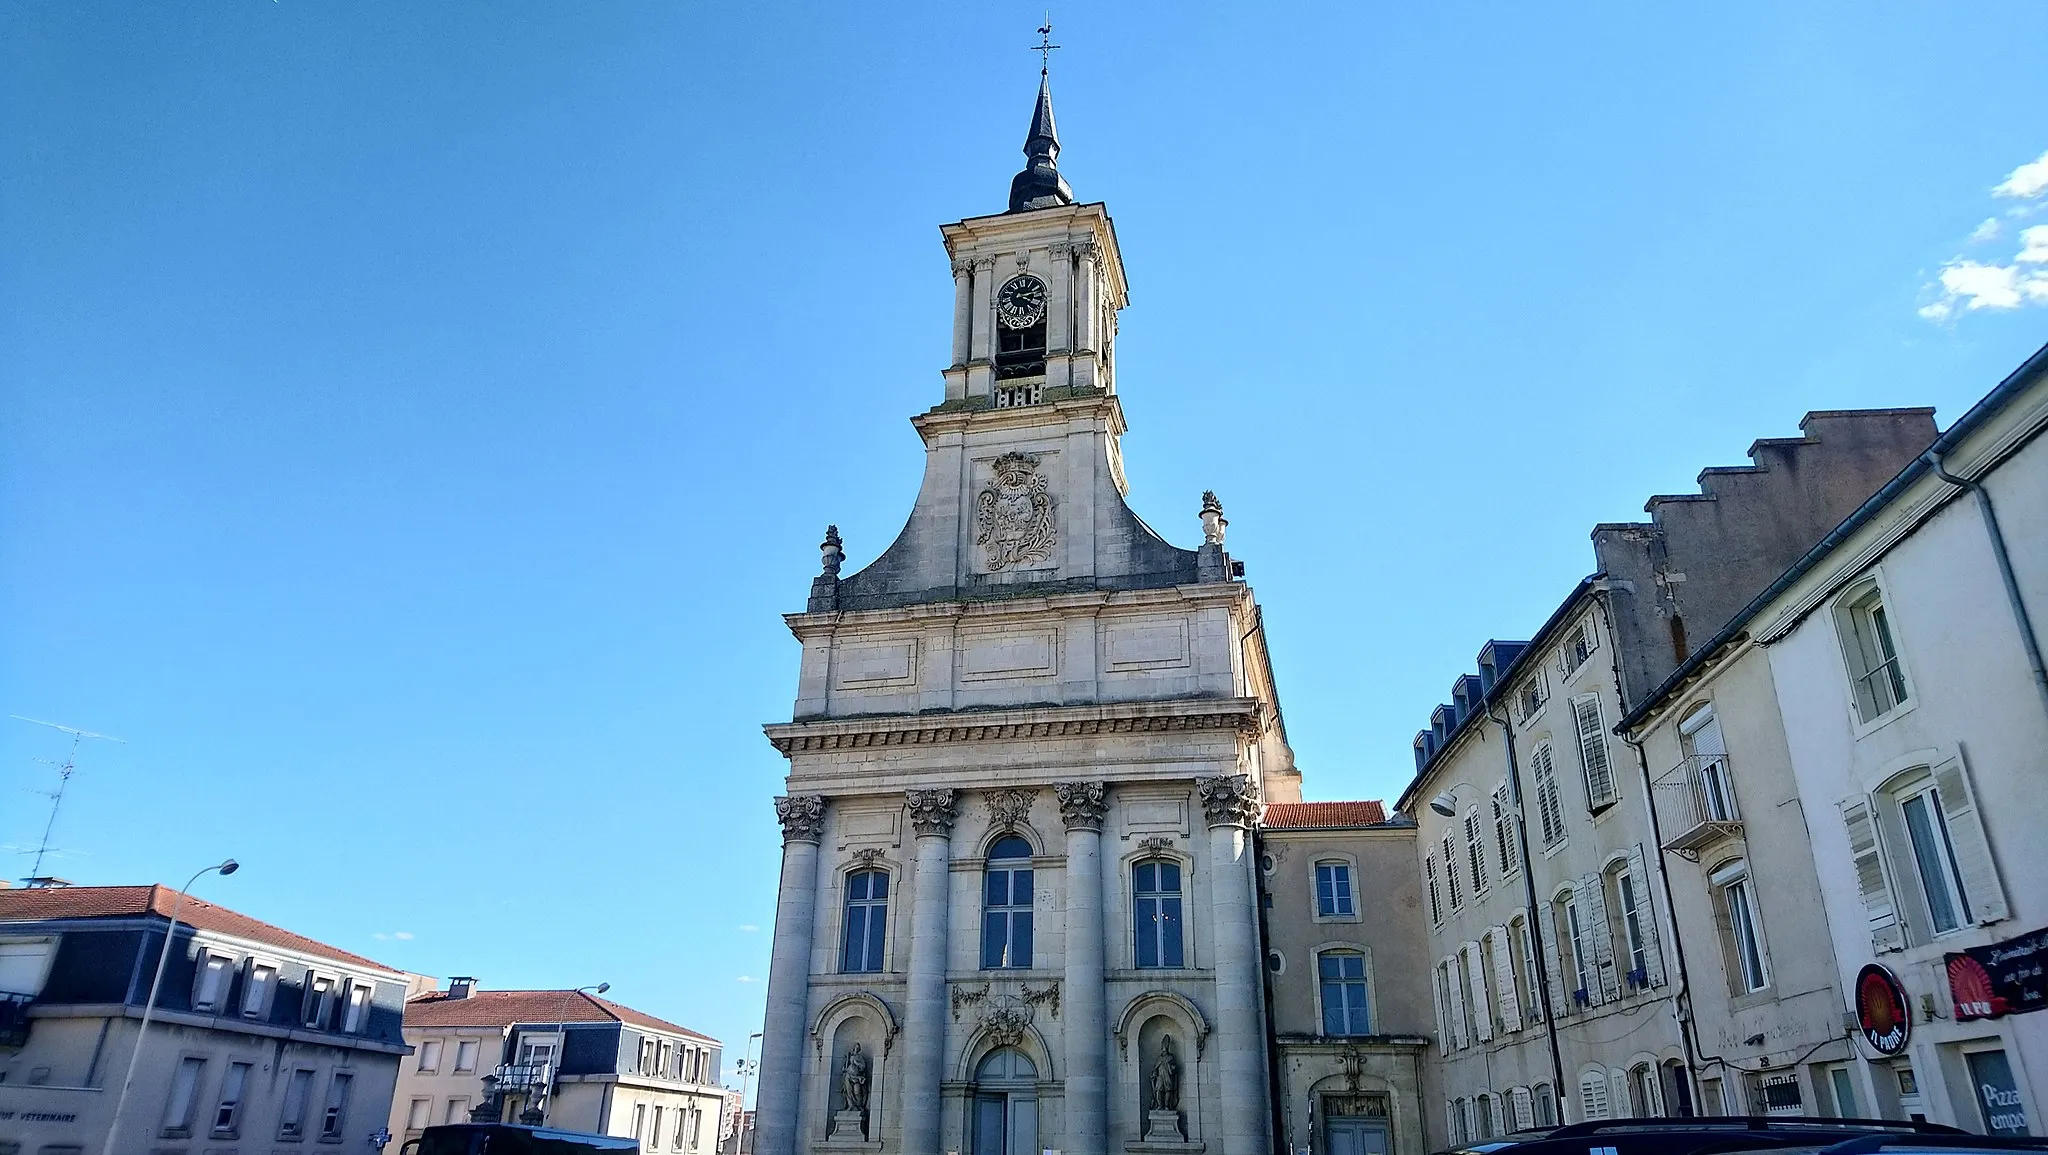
1169	877
1020	888
1020	939
1169	927
1145	931
994	937
1146	877
995	889
856	935
1010	846
1333	1009
1928	853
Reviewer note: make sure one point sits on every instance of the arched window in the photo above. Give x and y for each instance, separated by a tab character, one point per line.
1593	1094
1345	1007
1545	1104
1006	905
867	921
1155	913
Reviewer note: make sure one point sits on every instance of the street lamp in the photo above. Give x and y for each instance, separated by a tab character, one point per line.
156	984
747	1065
547	1100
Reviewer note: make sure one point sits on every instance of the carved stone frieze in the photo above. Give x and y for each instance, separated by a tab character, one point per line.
965	996
1082	804
867	857
1243	716
1156	842
1008	808
1013	514
1047	996
802	817
931	811
1228	799
1006	1025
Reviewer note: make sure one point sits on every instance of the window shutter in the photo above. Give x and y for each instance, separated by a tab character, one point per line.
1436	996
1436	902
1504	831
1524	1117
1593	751
1593	1095
1456	985
1475	971
1593	911
1974	865
1646	914
1553	960
1504	978
1880	910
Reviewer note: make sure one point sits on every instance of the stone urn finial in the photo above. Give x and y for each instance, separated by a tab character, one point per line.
1213	524
831	552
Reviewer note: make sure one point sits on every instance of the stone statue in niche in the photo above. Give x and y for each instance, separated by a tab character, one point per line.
1166	1078
853	1080
1013	514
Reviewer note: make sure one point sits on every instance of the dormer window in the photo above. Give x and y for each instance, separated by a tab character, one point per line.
1020	335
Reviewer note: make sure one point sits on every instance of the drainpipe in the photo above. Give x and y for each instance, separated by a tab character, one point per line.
1535	922
2012	585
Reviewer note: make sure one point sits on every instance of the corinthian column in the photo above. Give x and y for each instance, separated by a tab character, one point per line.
924	1023
1230	803
789	975
963	311
1087	1027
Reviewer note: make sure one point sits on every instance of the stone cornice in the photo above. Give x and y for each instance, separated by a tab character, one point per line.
1058	414
808	625
1245	716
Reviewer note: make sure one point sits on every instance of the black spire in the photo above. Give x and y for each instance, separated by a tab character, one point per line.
1040	185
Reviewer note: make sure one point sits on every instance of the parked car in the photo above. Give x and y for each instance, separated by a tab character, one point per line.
1712	1135
511	1139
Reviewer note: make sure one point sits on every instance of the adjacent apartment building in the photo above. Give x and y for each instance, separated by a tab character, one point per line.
1865	740
1346	978
260	1038
565	1058
1553	972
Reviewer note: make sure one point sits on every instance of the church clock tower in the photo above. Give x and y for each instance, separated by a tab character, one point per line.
1029	742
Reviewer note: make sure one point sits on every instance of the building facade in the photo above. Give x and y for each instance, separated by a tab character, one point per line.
1899	665
564	1058
259	1039
1558	984
1016	908
1347	978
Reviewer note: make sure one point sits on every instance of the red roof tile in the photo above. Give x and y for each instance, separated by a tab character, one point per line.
26	904
1322	815
506	1008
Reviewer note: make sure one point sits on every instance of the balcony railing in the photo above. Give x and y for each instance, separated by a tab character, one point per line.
524	1078
1696	805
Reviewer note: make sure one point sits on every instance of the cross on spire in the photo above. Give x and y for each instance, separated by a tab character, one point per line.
1045	47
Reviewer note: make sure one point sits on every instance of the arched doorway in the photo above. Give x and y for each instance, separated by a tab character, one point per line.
1006	1104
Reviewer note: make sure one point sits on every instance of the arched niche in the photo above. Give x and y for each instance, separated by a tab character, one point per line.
858	1020
852	1004
1195	1024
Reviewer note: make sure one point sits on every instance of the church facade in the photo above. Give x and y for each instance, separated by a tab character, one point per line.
1031	741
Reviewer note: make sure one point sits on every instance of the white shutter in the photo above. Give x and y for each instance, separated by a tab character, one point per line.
1646	914
1553	959
1593	1095
1593	751
1525	1115
1880	909
1436	995
1504	978
1456	985
1504	832
1436	902
1482	1011
1600	932
1974	866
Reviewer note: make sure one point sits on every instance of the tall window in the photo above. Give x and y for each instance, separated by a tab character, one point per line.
318	1001
1475	852
1504	832
1006	905
334	1116
1333	889
867	921
356	1016
1701	734
184	1090
210	990
1523	959
1547	804
1436	903
291	1120
1156	913
1546	1105
1874	672
1593	752
1575	935
465	1056
1632	928
257	990
227	1114
1934	858
1742	938
430	1056
1345	1008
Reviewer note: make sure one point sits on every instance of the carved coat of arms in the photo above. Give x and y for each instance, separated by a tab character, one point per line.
1013	515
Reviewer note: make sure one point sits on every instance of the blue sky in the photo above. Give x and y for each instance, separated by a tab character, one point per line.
417	416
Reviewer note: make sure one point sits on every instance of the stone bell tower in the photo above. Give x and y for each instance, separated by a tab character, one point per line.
1028	743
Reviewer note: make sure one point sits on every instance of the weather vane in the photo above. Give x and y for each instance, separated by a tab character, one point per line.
1045	46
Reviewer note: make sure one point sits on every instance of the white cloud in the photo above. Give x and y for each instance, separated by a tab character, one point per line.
2033	246
399	935
749	927
2027	181
1988	231
1938	311
1982	286
749	979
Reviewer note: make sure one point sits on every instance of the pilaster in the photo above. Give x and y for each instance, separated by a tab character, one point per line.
778	1105
1082	806
1230	803
924	1027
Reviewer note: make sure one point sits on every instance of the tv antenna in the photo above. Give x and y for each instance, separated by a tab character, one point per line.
65	770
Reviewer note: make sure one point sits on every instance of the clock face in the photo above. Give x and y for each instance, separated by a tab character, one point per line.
1020	303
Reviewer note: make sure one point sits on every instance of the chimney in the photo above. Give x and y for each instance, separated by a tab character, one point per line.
461	986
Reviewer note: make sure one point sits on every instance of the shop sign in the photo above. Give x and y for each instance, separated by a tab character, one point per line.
1998	1095
1881	1011
2005	978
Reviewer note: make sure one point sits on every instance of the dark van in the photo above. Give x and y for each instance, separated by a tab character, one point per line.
510	1139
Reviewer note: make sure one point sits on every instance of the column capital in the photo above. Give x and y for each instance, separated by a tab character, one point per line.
1228	799
802	817
931	811
962	267
1082	804
1086	250
985	264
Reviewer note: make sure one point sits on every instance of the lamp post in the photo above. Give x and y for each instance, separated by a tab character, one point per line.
548	1100
747	1065
155	985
